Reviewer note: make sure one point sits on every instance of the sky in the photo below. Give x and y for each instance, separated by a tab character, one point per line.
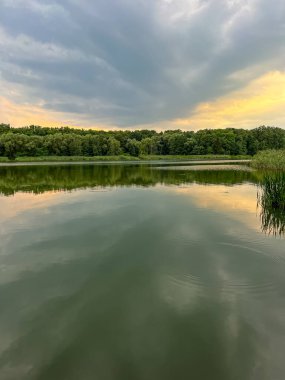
152	64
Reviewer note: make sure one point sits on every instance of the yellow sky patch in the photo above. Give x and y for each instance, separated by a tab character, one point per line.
19	115
262	101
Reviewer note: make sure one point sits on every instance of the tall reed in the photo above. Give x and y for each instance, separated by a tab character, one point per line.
271	200
269	159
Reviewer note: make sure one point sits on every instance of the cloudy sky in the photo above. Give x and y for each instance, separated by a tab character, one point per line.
162	64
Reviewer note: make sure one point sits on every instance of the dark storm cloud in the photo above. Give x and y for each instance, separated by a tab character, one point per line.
129	62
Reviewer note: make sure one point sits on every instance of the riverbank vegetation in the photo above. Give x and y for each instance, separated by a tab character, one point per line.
35	141
125	157
270	159
271	199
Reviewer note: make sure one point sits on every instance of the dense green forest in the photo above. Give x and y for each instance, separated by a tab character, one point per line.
35	141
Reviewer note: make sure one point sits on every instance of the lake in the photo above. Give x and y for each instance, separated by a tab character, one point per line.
140	272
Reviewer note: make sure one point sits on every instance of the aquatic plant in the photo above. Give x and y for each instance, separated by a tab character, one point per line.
271	200
269	159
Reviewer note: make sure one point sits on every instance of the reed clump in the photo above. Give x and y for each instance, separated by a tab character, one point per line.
271	199
269	159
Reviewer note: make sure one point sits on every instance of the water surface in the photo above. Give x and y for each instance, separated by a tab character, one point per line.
138	272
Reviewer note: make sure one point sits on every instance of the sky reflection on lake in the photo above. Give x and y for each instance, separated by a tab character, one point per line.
138	273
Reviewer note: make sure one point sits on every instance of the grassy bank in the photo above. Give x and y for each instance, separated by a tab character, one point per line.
123	158
269	159
194	157
70	158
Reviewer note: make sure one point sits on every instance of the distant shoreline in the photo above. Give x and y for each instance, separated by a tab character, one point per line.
23	161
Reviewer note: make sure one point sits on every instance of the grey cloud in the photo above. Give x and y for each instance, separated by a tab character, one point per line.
130	62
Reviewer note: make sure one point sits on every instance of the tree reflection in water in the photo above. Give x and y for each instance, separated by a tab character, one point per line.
39	179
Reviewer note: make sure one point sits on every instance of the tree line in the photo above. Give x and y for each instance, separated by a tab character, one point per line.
34	141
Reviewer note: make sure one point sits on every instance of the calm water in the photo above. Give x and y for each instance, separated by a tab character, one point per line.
138	272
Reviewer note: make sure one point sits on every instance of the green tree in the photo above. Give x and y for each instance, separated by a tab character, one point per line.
133	147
